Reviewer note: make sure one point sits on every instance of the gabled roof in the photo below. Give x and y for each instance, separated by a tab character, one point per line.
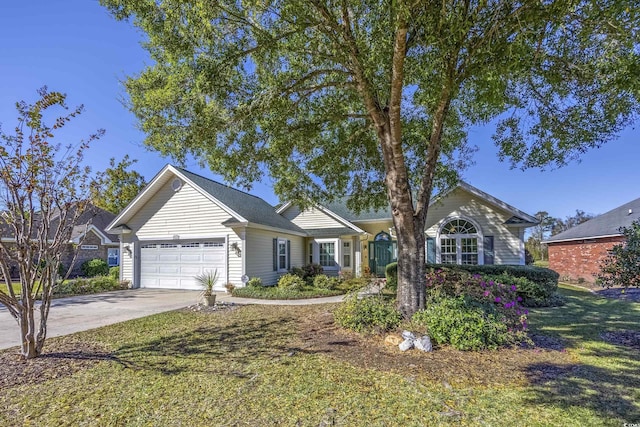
518	218
98	220
339	207
93	219
606	225
243	208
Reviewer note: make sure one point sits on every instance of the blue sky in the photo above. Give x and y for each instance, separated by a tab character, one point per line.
76	47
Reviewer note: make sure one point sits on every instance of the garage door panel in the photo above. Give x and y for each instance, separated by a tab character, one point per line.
170	269
191	257
190	270
175	265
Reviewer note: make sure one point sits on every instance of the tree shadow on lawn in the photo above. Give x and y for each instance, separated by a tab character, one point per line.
609	375
206	347
604	391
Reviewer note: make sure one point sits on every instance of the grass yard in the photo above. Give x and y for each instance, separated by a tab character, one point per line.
290	366
14	285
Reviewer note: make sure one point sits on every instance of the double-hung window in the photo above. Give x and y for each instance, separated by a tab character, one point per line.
282	254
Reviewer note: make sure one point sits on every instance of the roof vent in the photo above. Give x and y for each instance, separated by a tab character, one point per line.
630	211
176	185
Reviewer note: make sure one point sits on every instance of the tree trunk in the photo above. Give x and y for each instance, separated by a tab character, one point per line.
411	264
28	343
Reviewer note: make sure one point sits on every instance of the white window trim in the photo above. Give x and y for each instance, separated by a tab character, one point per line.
109	250
350	253
458	238
336	253
286	254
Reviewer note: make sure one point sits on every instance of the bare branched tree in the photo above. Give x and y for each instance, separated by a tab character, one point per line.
44	189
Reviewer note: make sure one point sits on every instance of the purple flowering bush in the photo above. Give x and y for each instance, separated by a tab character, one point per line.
472	312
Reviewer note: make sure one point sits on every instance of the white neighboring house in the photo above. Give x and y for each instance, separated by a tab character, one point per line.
183	224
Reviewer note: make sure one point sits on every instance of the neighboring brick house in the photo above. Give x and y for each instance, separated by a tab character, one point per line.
94	241
91	238
576	254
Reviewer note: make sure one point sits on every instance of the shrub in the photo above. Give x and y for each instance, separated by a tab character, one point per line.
87	286
114	272
254	282
95	267
501	297
291	281
368	314
391	273
352	284
531	293
274	292
544	278
307	272
323	281
465	324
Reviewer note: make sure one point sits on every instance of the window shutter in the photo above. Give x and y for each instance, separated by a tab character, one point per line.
275	254
288	254
431	250
488	249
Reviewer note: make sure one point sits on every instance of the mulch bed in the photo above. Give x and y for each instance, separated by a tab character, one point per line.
446	365
62	358
630	294
623	338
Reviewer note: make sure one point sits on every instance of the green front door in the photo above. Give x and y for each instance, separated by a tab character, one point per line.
381	253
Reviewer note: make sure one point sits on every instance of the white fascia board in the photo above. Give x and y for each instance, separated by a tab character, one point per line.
265	227
340	219
372	221
284	207
326	211
103	238
487	198
582	238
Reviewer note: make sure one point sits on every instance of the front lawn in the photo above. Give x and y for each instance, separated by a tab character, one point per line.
15	285
283	365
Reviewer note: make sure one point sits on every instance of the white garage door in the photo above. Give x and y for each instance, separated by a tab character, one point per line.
174	265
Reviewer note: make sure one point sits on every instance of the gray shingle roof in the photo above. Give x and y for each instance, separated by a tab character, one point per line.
251	208
339	207
330	232
607	224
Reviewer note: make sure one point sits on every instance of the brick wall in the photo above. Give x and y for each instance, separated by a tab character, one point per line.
84	254
580	258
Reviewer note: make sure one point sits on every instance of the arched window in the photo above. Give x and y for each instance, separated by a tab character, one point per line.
459	242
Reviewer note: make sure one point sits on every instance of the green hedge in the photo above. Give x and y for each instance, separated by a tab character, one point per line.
545	279
391	274
275	292
93	285
541	283
95	267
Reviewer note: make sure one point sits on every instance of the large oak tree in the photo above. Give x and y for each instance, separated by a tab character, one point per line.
374	98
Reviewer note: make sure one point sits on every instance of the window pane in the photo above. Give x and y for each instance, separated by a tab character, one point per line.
327	252
459	226
448	251
469	247
346	254
282	255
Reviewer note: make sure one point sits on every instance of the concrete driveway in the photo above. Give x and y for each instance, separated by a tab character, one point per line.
74	314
